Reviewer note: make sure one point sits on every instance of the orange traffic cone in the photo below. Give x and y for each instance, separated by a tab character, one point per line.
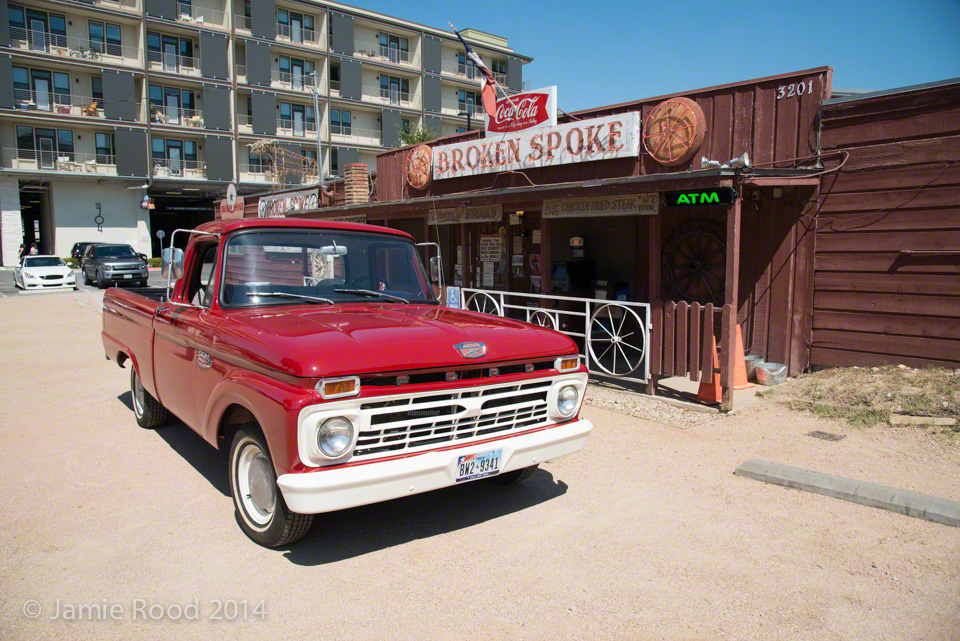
740	367
710	393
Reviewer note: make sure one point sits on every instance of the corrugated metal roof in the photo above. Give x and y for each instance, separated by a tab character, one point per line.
893	92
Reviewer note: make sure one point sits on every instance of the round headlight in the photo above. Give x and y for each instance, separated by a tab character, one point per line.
567	401
335	436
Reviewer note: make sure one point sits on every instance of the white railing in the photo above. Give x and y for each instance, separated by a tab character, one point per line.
298	129
168	168
241	72
245	123
290	80
201	16
68	162
376	51
464	71
173	63
255	172
501	78
125	5
457	108
68	46
297	35
359	135
176	116
58	103
382	96
613	336
335	86
241	21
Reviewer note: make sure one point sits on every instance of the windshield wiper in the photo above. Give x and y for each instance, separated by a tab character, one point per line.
312	299
370	292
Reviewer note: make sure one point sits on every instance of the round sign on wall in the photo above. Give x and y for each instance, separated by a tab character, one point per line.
419	167
232	195
674	131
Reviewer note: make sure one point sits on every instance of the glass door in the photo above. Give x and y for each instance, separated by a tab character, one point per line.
296	28
41	89
298	75
298	120
169	56
171	102
175	158
48	155
394	91
38	35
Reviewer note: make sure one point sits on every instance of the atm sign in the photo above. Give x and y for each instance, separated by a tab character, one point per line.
701	197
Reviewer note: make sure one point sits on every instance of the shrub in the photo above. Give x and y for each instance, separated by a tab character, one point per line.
72	262
153	262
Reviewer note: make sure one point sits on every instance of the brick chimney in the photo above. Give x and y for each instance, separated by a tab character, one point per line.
356	183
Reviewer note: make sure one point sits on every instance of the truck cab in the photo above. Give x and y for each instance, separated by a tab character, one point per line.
317	354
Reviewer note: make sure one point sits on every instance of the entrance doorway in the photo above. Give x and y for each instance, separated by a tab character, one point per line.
36	218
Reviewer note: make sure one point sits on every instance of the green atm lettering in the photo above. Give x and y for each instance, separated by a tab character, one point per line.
685	200
704	198
713	197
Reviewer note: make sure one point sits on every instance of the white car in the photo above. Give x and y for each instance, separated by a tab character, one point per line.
43	272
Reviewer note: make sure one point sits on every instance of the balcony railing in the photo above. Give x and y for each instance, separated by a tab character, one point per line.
297	35
176	116
72	162
201	16
289	80
70	47
457	108
124	5
241	72
175	168
463	71
335	86
383	53
501	78
395	97
255	172
59	103
245	123
296	128
358	135
241	21
173	63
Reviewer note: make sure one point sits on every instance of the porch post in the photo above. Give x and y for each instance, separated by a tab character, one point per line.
545	255
653	282
728	338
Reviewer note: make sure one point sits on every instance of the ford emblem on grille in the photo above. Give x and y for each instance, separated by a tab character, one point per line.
472	349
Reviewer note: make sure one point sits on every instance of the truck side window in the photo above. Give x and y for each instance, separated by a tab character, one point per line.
201	284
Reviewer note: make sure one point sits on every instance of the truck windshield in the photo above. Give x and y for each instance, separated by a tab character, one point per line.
343	267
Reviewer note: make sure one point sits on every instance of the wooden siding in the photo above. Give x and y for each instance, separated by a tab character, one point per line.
887	279
741	117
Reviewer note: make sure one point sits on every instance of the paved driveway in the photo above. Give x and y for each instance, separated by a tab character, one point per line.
645	535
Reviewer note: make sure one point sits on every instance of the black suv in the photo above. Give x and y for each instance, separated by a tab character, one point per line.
77	252
108	264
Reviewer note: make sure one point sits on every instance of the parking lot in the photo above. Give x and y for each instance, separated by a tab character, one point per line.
646	534
7	288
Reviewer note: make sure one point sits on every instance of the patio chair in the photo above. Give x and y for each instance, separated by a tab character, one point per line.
91	109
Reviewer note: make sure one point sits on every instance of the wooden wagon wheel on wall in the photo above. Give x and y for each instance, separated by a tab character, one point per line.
419	167
674	131
693	263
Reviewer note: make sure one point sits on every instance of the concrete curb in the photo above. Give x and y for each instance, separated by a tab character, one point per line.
914	504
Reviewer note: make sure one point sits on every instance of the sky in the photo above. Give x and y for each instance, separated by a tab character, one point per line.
605	52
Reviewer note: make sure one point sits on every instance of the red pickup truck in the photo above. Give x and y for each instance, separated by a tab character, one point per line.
317	354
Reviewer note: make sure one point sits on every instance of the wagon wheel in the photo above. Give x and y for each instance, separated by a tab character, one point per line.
419	167
617	345
542	318
483	303
694	263
674	131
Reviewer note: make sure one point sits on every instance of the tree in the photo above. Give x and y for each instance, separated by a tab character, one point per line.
417	135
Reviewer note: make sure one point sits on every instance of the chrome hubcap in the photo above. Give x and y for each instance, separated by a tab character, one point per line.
138	394
256	488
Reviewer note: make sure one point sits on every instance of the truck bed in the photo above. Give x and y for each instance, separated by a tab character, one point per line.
128	315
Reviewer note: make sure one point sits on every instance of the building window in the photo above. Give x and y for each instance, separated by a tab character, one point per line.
295	71
296	26
394	48
170	52
38	28
461	130
21	86
105	38
104	143
334	77
254	162
498	66
340	122
395	89
469	102
25	141
61	89
466	66
96	88
405	125
169	105
334	162
18	23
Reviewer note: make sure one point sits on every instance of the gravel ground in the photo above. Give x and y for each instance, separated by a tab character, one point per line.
641	406
646	534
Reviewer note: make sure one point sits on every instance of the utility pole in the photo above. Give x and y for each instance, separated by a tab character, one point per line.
316	125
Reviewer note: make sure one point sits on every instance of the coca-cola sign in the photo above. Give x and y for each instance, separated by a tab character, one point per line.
524	111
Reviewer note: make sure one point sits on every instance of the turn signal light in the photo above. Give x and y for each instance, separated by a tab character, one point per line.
339	387
567	363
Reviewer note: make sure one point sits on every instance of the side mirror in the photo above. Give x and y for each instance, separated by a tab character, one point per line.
142	257
171	263
435	270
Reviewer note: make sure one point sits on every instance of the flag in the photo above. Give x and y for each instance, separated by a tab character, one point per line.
488	84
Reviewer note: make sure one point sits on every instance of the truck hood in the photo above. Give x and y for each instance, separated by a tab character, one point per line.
366	339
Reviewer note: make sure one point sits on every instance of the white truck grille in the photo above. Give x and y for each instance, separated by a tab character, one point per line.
417	421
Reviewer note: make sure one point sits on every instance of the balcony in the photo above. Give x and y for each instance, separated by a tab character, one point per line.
173	63
255	173
176	116
182	169
132	6
355	135
62	162
382	53
241	21
281	79
392	97
45	102
70	47
457	108
461	71
297	35
296	128
201	16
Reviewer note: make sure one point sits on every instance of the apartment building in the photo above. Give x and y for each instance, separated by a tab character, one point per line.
104	102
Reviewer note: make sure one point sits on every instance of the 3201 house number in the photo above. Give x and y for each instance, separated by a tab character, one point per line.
791	90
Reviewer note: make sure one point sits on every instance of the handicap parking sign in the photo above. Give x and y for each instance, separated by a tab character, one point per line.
453	297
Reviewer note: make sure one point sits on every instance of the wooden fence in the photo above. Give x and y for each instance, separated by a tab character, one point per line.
682	340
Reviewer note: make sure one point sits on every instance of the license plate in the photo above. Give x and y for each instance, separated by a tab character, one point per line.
479	465
128	275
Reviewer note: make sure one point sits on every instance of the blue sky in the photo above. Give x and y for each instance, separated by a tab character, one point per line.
602	52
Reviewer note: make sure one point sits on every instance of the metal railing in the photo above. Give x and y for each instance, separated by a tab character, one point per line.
173	63
125	5
241	21
335	86
241	73
73	162
59	103
201	16
245	122
177	116
613	336
255	172
384	53
465	71
173	168
456	108
384	96
297	128
359	135
298	35
68	46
